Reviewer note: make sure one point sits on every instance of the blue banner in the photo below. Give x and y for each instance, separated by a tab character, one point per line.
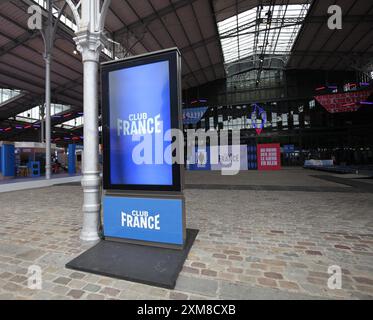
144	219
289	148
8	160
193	115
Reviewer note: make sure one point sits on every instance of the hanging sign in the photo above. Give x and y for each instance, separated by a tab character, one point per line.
193	115
343	102
259	118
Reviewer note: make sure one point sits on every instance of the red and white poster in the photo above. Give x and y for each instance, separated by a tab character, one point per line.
269	156
343	102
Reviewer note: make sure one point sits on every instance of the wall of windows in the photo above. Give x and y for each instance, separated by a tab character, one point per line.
248	80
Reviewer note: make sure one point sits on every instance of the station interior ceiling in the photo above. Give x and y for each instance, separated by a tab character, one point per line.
217	39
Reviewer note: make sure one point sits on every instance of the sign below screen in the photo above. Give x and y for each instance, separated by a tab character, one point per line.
144	219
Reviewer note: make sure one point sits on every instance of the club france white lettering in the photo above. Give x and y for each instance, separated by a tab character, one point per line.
139	124
141	220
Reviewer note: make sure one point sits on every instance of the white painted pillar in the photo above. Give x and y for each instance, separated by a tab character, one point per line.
89	39
89	45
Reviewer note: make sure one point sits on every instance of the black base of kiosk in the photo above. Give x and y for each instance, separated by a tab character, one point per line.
154	266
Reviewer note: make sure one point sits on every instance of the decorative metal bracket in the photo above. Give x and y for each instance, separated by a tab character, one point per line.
95	12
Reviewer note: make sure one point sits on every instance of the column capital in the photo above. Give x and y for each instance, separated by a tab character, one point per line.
89	44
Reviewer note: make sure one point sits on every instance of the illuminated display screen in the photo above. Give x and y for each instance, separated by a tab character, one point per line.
140	106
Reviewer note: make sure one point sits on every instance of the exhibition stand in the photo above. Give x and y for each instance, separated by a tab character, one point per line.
239	157
27	160
144	224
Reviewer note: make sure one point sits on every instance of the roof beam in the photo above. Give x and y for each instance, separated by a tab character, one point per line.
22	39
154	16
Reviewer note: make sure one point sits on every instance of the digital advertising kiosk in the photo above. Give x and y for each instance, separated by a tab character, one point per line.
143	206
143	189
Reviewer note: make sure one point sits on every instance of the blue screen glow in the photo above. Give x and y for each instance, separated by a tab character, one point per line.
140	104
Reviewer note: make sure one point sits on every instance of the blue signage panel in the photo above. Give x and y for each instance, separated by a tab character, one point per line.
144	219
71	159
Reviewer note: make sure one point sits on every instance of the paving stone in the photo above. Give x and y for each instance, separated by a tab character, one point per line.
288	285
77	275
363	280
233	291
62	280
178	296
198	265
314	253
209	273
6	275
60	290
197	285
77	284
112	292
267	282
12	287
76	294
31	255
273	275
259	266
92	288
93	296
18	279
7	296
187	269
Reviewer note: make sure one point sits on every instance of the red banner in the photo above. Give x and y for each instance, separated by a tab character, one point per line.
343	102
269	156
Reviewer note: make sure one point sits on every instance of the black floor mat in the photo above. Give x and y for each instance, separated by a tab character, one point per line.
145	264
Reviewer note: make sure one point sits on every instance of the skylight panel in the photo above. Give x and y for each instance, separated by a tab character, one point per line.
270	30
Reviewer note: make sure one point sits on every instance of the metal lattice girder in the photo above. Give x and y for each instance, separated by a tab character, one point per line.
279	22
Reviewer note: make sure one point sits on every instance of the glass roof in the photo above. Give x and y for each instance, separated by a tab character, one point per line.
7	94
261	31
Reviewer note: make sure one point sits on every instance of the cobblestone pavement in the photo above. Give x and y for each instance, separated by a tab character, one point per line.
252	245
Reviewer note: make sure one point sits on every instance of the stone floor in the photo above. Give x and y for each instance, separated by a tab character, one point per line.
253	244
